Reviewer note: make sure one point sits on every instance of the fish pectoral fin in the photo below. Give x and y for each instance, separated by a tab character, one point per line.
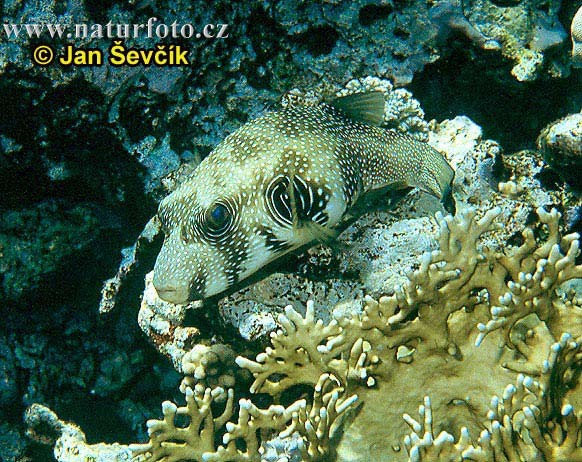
394	186
319	233
363	107
397	186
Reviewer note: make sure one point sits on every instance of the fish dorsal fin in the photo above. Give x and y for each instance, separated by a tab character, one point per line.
365	107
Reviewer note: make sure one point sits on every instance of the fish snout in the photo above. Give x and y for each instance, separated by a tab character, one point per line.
178	274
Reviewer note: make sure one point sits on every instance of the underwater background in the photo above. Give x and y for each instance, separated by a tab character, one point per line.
475	319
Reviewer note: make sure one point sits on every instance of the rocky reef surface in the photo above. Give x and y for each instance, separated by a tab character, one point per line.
86	154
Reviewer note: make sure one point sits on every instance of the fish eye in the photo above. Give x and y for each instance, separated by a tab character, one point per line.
218	219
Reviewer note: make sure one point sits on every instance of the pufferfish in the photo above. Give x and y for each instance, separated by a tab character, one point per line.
281	182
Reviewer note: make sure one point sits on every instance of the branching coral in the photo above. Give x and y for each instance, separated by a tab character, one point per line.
449	277
525	424
320	422
316	423
169	442
532	272
297	356
512	285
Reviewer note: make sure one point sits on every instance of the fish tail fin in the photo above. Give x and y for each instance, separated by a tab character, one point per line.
435	175
443	174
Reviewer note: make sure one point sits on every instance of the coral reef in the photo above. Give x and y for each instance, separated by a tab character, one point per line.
69	440
525	423
467	311
527	33
317	423
401	337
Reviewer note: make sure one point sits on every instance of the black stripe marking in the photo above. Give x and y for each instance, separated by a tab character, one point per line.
310	204
309	201
279	202
272	242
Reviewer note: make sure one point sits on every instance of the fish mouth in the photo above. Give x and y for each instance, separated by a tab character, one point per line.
177	295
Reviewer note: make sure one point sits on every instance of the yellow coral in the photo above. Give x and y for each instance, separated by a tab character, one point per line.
422	338
529	422
315	422
170	443
298	354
